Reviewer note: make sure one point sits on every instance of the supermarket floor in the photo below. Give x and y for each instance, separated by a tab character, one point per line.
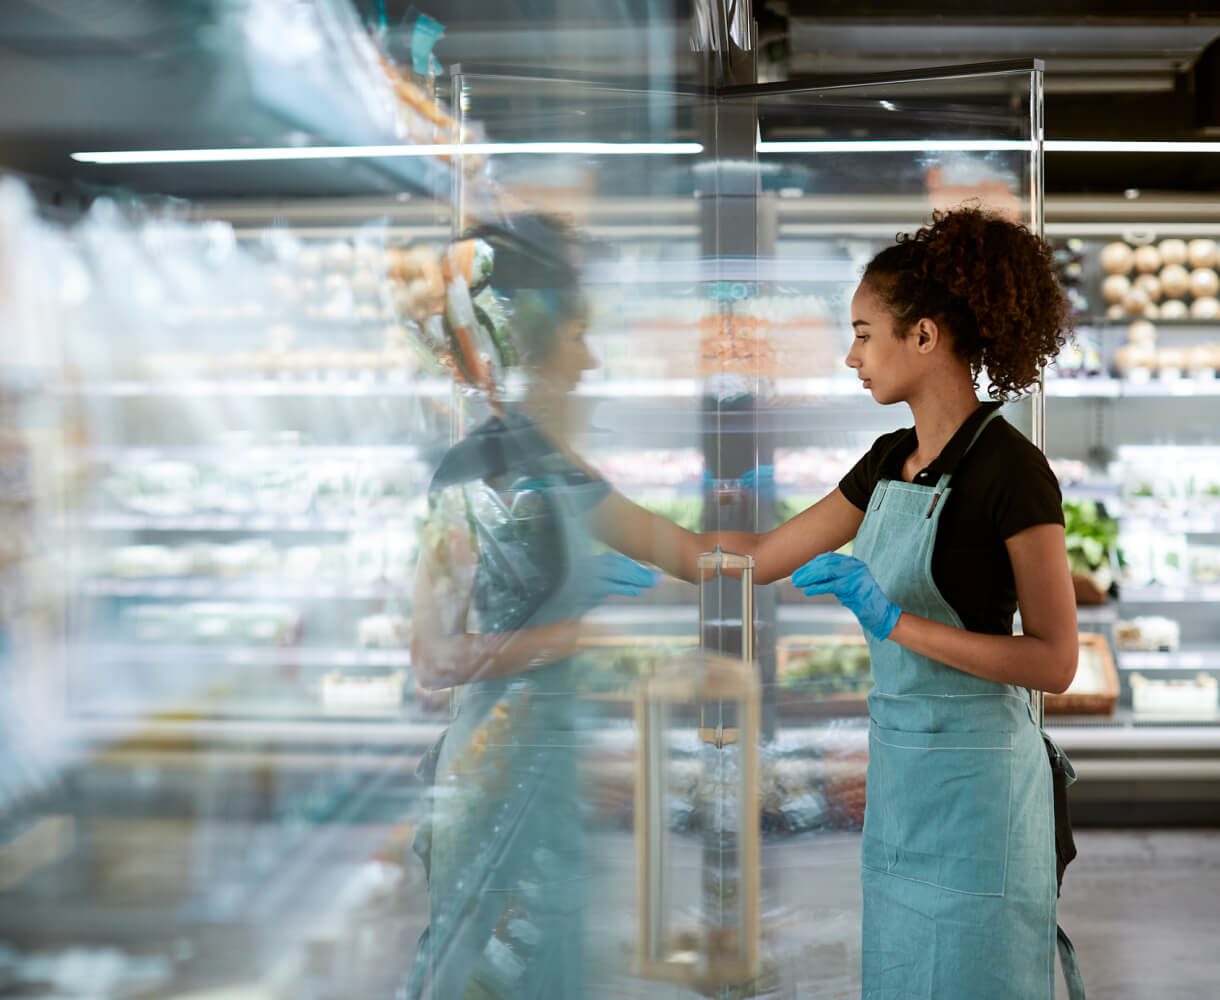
1141	907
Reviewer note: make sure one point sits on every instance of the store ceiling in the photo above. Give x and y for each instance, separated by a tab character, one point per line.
99	74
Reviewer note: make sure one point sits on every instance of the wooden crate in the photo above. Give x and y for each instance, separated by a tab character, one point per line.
806	705
1095	689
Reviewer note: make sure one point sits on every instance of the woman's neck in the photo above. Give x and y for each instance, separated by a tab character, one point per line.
939	412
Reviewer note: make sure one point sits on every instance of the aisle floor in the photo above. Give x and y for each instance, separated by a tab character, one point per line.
1143	908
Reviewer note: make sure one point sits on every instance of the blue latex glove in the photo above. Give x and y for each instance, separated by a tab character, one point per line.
613	573
850	581
760	479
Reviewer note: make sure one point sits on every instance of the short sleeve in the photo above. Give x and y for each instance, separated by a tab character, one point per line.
1029	493
858	484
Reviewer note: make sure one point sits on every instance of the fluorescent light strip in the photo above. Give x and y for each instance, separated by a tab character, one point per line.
896	146
985	146
137	156
368	152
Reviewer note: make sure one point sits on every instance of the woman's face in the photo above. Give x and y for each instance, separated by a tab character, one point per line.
886	364
569	357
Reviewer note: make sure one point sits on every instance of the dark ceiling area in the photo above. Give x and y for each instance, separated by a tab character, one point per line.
114	74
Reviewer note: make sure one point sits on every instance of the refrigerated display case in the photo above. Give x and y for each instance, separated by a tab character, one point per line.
1130	428
237	669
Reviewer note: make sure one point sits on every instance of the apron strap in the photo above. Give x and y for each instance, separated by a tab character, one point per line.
1071	969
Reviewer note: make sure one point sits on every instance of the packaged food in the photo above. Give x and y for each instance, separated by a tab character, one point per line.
1193	695
383	631
1152	633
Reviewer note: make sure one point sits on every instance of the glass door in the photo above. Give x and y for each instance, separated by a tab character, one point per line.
812	182
721	237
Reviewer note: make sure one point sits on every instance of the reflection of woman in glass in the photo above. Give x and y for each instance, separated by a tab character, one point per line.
956	523
507	570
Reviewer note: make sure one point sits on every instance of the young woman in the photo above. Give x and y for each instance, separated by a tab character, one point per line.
956	523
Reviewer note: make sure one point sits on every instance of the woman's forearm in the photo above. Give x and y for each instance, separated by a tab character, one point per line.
444	661
1023	660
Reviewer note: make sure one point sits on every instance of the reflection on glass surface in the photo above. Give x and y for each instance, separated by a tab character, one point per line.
228	452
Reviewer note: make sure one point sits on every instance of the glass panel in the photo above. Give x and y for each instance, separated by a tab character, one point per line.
812	184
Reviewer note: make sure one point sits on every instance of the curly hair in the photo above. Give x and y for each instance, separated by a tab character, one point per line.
990	281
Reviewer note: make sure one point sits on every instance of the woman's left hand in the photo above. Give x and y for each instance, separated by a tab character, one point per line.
850	581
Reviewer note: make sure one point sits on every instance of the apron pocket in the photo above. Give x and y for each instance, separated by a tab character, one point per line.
938	808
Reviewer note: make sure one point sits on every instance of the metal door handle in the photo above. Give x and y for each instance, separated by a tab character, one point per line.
716	562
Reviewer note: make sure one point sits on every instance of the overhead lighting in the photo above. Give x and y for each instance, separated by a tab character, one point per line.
896	146
984	146
378	152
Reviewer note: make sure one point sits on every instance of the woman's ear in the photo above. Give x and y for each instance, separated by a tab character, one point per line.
927	334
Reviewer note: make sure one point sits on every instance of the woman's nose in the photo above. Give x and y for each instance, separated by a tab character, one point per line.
851	360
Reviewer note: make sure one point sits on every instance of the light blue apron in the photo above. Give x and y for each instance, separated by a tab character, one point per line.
958	853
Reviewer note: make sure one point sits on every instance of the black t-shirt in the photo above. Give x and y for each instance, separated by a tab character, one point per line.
1002	486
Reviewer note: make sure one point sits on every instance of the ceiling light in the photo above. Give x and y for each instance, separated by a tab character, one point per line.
369	152
896	146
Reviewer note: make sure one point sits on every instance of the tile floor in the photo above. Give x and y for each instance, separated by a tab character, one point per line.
1143	909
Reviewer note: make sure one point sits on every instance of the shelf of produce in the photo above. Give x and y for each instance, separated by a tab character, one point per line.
1194	593
235	522
346	387
170	655
268	588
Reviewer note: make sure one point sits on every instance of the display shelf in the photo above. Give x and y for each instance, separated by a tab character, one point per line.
641	388
1091	491
254	452
346	387
1097	387
690	388
263	588
789	615
170	655
1178	387
236	522
1104	387
1097	614
845	385
401	730
1181	659
1204	593
741	271
1197	523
